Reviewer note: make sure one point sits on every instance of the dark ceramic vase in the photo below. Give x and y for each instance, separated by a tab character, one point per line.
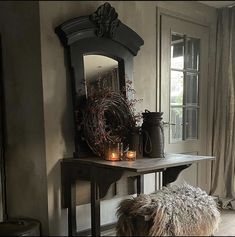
153	135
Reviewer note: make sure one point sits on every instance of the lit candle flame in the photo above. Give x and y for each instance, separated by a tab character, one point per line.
113	156
131	155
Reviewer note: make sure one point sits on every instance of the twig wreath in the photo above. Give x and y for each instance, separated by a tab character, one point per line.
107	118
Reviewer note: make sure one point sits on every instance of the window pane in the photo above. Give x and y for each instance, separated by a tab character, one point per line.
177	88
184	89
192	55
176	133
191	89
177	51
191	123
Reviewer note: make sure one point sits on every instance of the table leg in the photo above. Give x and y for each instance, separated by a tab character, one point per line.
95	209
72	225
140	184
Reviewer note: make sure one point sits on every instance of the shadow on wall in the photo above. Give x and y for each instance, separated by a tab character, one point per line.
58	215
58	218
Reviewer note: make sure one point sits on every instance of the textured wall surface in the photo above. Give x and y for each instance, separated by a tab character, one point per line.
25	150
39	105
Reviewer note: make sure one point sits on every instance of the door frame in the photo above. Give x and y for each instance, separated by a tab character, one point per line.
205	182
163	11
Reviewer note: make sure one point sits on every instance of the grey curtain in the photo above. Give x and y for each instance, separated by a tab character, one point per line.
223	137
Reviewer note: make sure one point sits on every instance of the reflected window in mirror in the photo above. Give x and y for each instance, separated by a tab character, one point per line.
101	73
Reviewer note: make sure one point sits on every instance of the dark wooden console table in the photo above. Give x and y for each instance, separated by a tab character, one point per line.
103	173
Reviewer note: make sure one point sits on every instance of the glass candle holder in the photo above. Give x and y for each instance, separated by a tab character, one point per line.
131	155
114	151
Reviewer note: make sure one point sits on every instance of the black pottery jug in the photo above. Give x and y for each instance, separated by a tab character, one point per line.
153	135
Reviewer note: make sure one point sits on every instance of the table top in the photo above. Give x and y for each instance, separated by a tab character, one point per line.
140	164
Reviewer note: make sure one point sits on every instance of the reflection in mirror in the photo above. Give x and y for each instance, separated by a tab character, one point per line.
101	72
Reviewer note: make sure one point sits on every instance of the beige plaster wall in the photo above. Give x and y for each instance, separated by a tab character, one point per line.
25	148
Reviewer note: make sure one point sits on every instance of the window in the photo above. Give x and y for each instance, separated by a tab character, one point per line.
184	89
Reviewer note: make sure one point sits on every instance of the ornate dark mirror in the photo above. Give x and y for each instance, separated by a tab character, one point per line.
100	51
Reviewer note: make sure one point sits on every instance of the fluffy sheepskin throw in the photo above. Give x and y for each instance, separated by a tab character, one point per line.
173	211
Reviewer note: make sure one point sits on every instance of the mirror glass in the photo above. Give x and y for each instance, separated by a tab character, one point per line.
101	72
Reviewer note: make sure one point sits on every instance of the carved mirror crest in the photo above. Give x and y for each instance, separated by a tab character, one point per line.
100	52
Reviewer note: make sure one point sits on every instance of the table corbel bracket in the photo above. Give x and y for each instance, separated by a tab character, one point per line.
105	178
172	173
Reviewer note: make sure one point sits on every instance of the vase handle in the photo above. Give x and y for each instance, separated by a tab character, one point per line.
148	140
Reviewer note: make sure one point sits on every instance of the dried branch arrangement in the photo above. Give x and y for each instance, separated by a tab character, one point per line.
132	101
107	118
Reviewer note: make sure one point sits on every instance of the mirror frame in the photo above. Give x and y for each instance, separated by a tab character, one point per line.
100	33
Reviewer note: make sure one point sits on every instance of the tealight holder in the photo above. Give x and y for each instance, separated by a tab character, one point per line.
131	155
114	151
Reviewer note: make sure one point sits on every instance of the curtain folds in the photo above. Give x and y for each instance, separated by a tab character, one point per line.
223	137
